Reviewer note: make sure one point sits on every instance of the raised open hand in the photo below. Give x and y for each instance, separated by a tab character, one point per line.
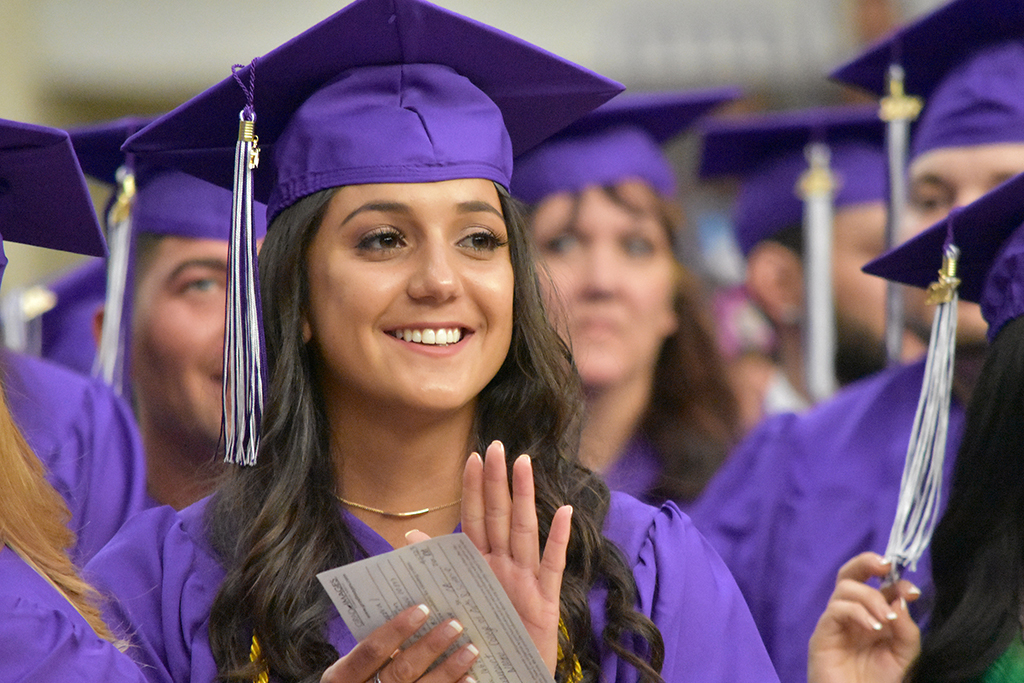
504	528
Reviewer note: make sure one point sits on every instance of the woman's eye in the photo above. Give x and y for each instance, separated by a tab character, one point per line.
638	246
382	239
560	244
484	240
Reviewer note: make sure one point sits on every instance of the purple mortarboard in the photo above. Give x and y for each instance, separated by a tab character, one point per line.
383	91
767	153
620	140
990	266
44	200
966	60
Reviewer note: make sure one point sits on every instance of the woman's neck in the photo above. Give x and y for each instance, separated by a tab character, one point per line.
396	463
613	416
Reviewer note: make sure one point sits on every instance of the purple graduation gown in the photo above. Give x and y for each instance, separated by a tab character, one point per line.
43	639
88	441
636	470
805	493
163	577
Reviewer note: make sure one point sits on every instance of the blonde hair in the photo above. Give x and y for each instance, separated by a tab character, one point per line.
33	522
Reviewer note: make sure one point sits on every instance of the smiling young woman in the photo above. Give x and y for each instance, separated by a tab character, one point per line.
390	224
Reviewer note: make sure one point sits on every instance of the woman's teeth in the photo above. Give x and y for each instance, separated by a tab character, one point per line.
438	337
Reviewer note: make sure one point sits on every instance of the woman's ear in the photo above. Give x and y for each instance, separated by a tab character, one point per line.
775	282
97	325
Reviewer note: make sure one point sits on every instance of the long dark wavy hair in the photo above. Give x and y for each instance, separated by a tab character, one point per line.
692	418
276	525
978	547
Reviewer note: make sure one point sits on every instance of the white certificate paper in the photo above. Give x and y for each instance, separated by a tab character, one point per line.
451	577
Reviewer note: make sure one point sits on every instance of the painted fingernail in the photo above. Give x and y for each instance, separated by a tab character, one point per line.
453	628
410	532
914	590
419	615
470	679
903	604
468	654
876	625
891	616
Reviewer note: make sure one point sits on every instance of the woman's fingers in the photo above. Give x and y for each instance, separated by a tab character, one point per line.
380	654
864	566
474	524
552	565
497	500
524	537
410	664
870	598
366	658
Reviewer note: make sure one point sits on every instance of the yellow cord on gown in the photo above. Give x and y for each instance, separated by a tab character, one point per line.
577	671
255	655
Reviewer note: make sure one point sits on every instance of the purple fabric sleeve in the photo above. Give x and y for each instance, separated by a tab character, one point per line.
686	589
804	494
44	640
88	441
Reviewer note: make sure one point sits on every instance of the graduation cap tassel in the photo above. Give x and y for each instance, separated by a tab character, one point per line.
244	353
898	110
817	189
109	362
917	511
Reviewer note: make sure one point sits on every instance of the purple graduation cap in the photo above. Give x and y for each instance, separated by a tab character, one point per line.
796	167
146	200
966	60
382	91
987	266
619	140
44	200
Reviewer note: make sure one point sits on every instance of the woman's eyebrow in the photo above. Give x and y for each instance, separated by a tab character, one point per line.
477	207
381	206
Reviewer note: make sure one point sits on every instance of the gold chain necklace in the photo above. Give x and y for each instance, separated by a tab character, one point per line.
400	515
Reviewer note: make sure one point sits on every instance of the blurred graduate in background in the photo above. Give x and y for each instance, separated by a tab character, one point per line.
661	414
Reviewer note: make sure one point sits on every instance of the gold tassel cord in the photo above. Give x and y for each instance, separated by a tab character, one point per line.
577	671
256	657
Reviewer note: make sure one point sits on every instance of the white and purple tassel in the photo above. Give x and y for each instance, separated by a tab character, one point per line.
917	511
244	384
898	110
110	356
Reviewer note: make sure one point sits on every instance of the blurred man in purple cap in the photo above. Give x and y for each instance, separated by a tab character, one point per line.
170	351
83	434
661	414
974	631
802	495
768	153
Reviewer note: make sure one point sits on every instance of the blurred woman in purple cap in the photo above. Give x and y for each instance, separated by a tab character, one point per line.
661	414
977	554
405	336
